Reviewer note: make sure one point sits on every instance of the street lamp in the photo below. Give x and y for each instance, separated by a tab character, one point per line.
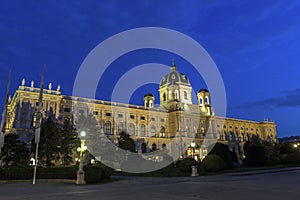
80	173
193	145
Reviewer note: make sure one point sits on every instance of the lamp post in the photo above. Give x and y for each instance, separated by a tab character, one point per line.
80	173
193	145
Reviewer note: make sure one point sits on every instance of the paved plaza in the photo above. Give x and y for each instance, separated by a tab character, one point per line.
280	185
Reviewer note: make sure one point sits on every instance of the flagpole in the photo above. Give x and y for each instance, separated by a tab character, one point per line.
4	116
38	125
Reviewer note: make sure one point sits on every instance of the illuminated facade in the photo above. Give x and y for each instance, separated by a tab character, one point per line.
193	126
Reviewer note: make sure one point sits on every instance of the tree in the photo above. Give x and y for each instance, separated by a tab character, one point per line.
14	152
286	148
256	155
125	142
93	138
69	142
50	142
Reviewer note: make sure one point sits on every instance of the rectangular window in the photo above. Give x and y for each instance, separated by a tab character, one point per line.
81	112
142	118
152	119
108	114
120	115
95	113
162	120
131	116
67	109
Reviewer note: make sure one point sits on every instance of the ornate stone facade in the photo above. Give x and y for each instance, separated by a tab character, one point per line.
151	127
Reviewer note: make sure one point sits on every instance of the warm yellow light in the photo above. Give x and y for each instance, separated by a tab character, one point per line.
193	144
82	133
295	145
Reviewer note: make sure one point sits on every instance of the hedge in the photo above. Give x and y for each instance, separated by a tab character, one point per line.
93	173
213	163
186	164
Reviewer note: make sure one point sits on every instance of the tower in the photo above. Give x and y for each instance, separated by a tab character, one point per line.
204	102
175	87
149	100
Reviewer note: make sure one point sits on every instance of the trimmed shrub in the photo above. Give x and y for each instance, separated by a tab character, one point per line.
186	164
107	171
274	160
57	173
93	174
213	163
282	158
292	158
223	151
16	173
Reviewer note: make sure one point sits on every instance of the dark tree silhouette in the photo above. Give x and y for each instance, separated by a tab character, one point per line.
125	142
14	152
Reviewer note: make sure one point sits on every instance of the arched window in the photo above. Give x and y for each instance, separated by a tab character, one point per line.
151	104
120	126
206	100
107	128
170	94
162	131
131	129
231	136
154	147
201	101
164	97
225	135
152	131
164	146
143	130
176	94
185	95
144	148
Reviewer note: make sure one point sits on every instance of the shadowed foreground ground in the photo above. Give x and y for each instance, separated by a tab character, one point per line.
280	185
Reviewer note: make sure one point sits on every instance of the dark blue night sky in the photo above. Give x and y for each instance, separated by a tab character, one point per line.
255	44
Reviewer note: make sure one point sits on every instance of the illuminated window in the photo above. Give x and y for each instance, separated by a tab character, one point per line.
143	130
120	126
153	131
185	95
131	129
107	128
